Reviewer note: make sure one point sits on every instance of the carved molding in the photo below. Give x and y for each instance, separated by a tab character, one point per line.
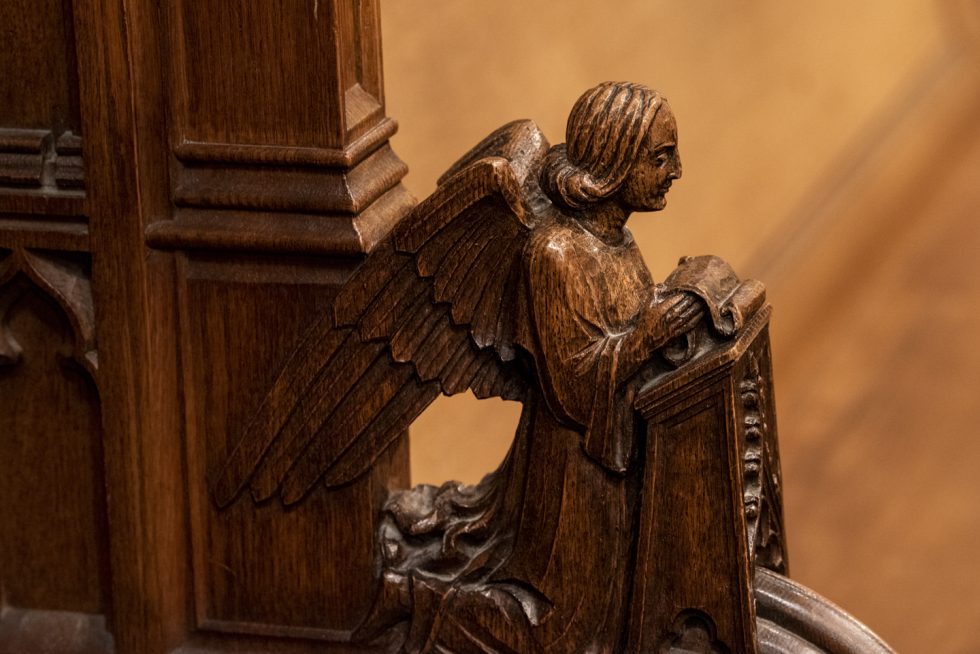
304	167
294	233
792	619
35	159
347	157
23	155
69	168
69	234
69	285
297	189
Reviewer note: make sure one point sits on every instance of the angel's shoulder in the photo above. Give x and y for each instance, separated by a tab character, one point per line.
559	236
550	239
557	247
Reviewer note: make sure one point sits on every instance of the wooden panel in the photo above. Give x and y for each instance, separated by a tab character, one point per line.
682	444
227	93
263	569
221	128
53	516
270	73
279	109
53	550
38	78
40	119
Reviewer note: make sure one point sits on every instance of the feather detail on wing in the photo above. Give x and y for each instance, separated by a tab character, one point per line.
430	311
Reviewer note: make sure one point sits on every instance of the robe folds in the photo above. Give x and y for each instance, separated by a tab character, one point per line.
491	567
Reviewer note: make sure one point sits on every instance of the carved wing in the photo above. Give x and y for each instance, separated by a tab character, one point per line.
430	311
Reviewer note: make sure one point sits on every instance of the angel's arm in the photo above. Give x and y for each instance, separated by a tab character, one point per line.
573	336
660	321
583	352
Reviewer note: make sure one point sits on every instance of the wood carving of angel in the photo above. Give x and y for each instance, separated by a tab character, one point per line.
517	279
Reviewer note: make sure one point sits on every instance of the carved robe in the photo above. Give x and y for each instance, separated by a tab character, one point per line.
508	552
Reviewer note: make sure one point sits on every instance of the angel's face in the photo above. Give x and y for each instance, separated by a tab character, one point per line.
657	165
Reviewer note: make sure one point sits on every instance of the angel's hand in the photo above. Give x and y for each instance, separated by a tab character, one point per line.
681	314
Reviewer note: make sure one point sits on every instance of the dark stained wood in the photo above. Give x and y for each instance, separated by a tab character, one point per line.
245	557
26	233
39	83
289	160
694	556
220	311
39	115
481	287
54	551
52	474
300	169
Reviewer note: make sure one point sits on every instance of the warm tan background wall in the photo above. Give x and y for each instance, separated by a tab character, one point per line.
830	149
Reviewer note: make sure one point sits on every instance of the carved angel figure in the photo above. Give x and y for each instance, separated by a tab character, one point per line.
517	278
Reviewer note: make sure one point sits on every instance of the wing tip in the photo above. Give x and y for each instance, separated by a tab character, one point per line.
293	492
225	489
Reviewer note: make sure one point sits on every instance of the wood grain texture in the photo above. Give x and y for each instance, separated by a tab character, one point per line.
54	552
296	96
234	170
693	557
257	569
127	181
40	116
39	83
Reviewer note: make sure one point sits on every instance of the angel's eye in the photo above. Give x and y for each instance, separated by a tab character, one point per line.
662	157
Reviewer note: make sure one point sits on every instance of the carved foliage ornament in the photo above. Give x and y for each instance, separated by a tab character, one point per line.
761	475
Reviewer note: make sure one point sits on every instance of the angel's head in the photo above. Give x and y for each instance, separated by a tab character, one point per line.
621	142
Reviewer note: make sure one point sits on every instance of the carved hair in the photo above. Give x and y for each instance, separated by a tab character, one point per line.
605	130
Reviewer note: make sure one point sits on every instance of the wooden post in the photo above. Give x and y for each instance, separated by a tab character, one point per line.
183	188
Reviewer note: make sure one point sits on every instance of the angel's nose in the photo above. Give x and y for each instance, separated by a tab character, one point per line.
676	169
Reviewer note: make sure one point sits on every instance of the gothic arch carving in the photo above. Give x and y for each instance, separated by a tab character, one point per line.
64	280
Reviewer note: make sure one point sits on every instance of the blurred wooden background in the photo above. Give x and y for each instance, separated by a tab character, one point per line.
831	150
